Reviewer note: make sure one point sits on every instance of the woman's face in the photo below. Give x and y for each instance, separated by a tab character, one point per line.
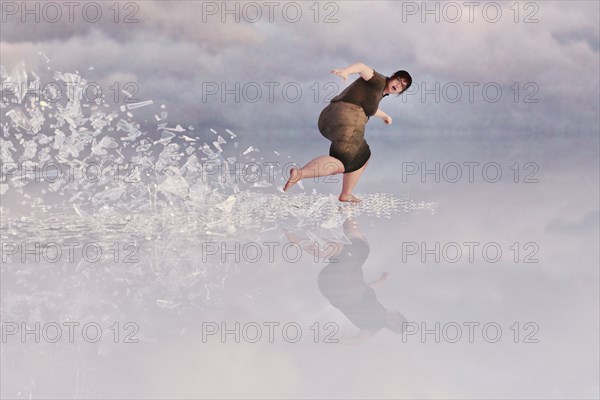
396	85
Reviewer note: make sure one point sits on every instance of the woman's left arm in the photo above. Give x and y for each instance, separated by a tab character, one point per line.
386	118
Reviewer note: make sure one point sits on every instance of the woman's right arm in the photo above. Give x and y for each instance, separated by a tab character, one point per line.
357	68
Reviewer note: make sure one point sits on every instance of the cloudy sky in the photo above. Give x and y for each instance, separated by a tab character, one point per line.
543	56
539	64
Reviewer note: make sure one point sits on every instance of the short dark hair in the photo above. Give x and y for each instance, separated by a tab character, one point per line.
402	74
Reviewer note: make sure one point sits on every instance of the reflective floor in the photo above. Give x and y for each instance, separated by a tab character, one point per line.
426	289
148	250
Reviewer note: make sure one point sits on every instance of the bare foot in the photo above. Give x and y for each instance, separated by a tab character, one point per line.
294	178
349	198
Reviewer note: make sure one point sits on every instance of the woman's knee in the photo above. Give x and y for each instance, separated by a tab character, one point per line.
336	166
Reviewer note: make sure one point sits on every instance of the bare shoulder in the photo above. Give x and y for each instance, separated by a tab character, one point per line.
367	72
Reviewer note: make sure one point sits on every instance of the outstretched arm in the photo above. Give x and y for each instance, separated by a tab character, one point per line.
386	118
380	281
357	68
362	336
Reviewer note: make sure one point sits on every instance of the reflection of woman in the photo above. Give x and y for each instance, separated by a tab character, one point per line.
343	123
343	284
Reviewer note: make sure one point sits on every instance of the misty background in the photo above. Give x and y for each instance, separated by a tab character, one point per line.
539	64
180	53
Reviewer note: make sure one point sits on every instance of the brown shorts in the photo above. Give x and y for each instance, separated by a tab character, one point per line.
344	125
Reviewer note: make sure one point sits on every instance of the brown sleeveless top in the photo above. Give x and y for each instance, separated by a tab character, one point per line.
366	94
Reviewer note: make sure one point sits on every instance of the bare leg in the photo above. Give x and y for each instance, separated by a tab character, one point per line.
320	166
350	180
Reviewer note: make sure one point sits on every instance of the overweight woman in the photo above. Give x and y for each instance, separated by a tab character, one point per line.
343	123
